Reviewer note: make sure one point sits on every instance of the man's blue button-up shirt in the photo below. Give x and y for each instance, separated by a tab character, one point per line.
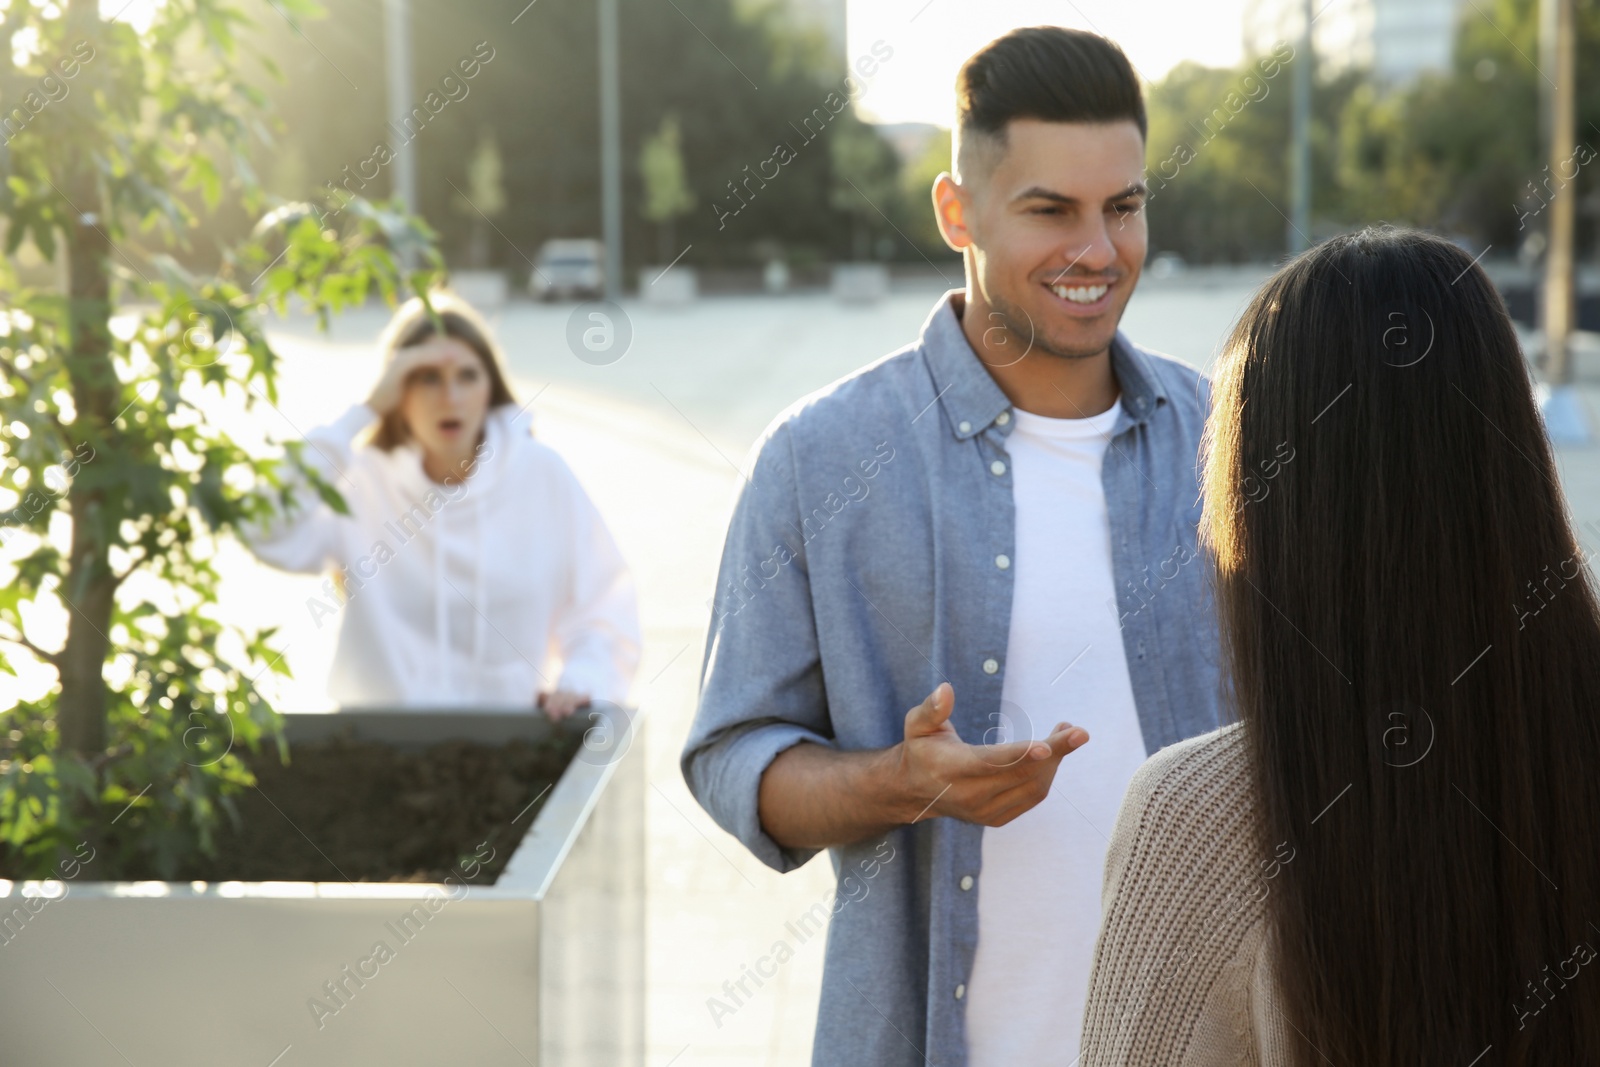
860	571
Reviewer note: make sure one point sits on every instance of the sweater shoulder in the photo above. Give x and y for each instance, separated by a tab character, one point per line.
1184	910
1190	799
1167	779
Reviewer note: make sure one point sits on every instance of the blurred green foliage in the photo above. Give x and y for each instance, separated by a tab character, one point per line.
734	77
1454	151
117	476
1457	151
667	196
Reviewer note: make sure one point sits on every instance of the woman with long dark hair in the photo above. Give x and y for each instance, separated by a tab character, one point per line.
1393	857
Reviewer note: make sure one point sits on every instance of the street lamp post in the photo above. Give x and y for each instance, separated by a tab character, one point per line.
397	48
1564	418
610	150
1300	139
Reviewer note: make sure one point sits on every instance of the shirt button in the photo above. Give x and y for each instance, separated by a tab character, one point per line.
990	666
965	427
966	882
961	991
1002	418
1002	561
997	467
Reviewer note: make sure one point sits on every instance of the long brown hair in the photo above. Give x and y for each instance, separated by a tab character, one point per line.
413	324
1412	638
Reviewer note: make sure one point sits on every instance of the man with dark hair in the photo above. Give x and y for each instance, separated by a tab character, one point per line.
1004	513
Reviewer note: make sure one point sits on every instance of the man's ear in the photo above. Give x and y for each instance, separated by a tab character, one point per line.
950	209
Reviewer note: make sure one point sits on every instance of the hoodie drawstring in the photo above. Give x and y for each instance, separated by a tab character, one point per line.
441	620
479	581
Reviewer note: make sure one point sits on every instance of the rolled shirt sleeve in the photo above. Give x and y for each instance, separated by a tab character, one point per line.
761	686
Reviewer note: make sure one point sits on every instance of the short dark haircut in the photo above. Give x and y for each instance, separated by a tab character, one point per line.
1048	73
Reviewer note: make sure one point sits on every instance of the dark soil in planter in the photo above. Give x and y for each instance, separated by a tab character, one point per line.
345	809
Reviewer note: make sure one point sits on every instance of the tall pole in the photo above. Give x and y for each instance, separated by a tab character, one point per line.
1558	47
610	149
1300	139
397	46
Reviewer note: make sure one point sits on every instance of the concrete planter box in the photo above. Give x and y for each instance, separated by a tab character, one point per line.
485	289
544	967
860	283
669	285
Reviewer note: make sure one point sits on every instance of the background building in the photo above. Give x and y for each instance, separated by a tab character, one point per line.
1396	39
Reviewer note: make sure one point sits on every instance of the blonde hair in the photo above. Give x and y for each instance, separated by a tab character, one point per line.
413	323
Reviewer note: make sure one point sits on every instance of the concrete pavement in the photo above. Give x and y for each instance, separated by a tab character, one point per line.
657	437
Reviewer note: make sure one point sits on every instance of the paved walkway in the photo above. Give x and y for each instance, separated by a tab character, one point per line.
656	437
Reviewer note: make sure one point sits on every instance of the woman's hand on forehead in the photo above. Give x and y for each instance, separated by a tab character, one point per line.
435	351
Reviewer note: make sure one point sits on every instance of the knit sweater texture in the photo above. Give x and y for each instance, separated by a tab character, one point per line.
1182	973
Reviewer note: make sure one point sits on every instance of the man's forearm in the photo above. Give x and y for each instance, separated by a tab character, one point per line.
812	796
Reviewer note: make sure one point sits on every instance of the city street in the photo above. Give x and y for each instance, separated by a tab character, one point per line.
779	195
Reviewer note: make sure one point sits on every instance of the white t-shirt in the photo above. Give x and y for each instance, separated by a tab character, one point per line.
1039	890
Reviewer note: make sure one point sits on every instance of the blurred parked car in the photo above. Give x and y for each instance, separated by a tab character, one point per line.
569	267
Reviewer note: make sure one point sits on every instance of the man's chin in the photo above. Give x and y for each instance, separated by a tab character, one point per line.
1077	341
1070	334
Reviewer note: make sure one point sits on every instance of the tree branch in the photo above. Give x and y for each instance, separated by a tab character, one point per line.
5	361
11	368
102	760
52	658
117	579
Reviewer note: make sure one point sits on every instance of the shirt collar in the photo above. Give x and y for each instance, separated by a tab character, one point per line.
973	401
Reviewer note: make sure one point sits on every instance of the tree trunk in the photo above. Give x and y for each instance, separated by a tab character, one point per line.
89	583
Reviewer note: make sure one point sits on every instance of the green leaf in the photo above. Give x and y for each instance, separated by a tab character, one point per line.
157	149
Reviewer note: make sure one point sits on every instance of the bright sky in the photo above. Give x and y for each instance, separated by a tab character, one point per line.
931	39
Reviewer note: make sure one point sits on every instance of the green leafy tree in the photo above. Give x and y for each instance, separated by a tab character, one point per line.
737	74
916	194
667	195
1461	150
865	176
485	198
1216	159
118	474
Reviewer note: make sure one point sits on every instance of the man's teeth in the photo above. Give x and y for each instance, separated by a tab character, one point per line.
1080	294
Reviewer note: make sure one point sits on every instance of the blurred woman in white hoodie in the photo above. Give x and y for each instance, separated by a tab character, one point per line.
471	558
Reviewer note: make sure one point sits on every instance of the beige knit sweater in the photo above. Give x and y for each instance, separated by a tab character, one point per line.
1182	970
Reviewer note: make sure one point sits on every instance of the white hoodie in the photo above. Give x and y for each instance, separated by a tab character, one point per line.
460	595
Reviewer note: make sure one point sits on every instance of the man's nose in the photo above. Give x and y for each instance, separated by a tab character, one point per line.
1092	252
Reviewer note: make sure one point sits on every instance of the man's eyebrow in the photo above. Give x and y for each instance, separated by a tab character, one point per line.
1039	192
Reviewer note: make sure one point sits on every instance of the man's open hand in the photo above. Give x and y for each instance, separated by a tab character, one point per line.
818	796
985	784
